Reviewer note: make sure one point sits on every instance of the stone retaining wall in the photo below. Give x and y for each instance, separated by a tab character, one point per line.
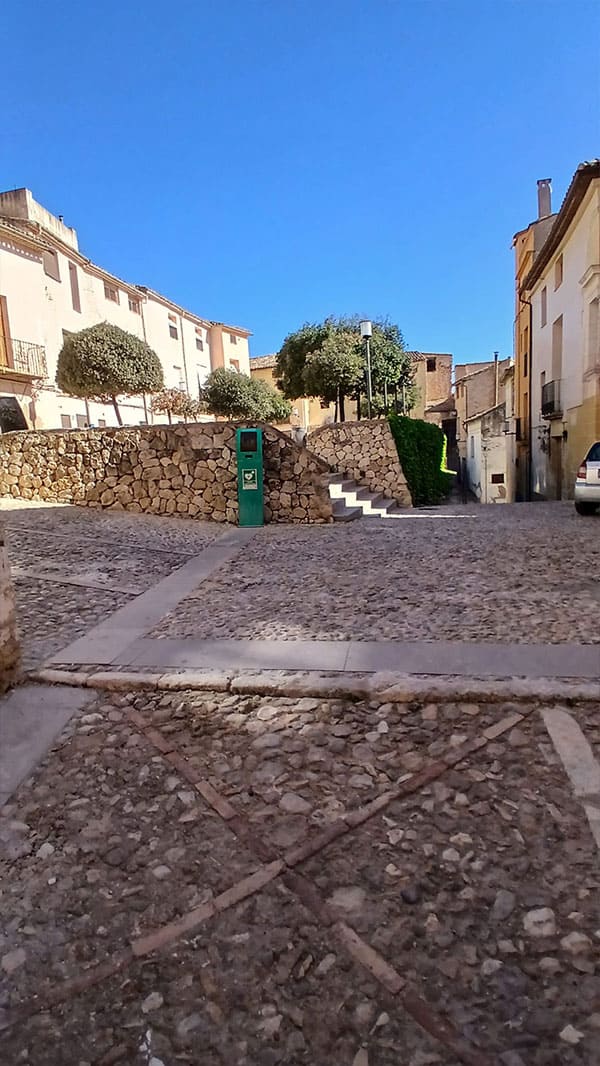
366	452
9	647
185	470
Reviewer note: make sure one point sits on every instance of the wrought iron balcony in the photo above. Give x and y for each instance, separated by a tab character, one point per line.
28	358
551	402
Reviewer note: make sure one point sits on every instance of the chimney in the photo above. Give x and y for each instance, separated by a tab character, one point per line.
544	197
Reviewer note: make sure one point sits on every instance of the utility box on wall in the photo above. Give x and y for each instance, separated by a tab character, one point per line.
249	453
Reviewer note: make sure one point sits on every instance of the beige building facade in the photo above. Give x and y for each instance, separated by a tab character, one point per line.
563	291
48	289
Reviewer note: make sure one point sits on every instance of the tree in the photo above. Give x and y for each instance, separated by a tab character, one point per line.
176	402
234	395
334	370
104	362
328	360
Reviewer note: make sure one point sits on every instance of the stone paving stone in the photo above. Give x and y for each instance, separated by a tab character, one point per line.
113	548
293	766
105	843
260	985
455	885
410	580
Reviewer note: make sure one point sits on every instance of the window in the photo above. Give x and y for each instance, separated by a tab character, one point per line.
74	287
101	423
180	378
65	421
525	351
111	293
173	331
50	261
497	479
525	363
134	305
81	421
199	344
233	338
544	308
431	366
235	364
558	272
472	447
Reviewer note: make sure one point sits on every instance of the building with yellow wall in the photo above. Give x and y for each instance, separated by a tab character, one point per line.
561	290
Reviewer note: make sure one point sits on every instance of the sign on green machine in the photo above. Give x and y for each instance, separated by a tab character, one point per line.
250	476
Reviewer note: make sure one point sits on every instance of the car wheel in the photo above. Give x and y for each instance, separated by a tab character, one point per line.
585	508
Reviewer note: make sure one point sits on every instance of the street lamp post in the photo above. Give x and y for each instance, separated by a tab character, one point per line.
366	332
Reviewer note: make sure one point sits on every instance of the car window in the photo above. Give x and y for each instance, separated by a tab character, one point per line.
593	456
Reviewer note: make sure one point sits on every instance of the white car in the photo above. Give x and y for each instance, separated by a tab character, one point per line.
587	484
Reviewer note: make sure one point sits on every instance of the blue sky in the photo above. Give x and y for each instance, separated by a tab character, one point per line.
267	163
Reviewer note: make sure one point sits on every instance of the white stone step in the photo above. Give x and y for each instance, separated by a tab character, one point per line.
358	501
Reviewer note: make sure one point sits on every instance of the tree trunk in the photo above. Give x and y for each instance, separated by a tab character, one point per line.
169	417
117	412
335	413
342	407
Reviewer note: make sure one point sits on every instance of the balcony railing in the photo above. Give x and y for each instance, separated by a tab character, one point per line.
28	359
551	403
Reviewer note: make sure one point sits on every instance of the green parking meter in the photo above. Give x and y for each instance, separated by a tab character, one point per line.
250	476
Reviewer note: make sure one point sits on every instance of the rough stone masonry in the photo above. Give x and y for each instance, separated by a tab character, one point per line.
364	451
184	470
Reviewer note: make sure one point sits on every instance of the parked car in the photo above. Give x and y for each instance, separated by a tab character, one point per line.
587	484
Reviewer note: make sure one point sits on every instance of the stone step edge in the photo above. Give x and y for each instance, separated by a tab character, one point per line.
380	688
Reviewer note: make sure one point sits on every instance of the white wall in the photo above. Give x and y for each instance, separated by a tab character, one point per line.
40	308
489	453
238	351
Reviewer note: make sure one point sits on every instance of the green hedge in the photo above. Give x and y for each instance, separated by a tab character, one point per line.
422	451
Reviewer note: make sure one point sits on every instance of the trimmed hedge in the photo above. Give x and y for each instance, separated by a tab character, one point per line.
422	452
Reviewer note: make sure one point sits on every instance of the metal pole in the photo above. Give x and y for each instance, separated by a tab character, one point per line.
369	383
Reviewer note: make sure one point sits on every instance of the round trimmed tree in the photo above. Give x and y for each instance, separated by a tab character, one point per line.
104	362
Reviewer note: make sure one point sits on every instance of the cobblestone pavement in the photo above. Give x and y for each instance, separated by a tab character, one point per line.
221	879
526	573
72	567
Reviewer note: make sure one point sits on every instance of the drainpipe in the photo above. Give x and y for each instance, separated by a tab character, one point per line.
496	380
529	403
185	373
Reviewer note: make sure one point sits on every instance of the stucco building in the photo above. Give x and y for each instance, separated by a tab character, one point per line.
527	244
48	289
561	291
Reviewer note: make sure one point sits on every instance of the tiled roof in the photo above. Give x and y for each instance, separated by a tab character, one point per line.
262	362
22	231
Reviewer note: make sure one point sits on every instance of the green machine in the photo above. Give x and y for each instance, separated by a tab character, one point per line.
249	451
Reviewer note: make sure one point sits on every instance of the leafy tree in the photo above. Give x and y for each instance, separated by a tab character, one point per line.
328	360
335	369
234	395
176	402
104	362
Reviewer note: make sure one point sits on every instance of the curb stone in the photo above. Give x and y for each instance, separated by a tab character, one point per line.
380	688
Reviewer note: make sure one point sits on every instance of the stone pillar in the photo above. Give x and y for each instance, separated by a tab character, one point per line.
9	647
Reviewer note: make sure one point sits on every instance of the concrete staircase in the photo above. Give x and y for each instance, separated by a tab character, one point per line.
351	501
